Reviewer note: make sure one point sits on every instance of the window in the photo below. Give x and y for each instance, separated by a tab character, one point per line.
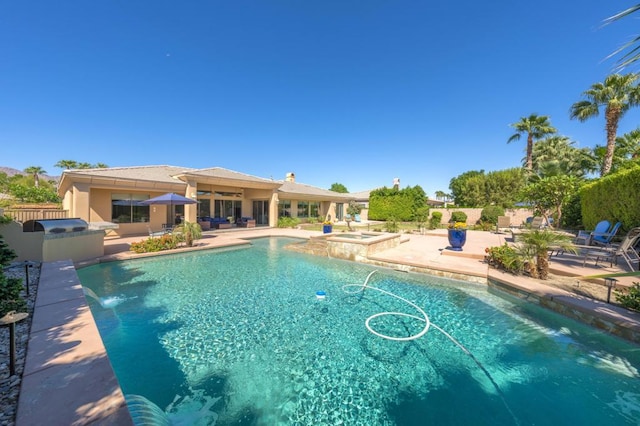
204	207
284	208
126	208
314	209
303	209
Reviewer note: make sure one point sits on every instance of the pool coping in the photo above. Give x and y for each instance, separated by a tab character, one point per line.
66	359
66	355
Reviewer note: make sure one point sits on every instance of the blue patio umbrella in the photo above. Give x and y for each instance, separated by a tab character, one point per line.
169	199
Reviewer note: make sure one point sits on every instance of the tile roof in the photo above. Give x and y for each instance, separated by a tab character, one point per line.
303	189
146	173
219	172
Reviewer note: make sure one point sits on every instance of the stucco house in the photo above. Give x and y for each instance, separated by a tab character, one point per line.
114	195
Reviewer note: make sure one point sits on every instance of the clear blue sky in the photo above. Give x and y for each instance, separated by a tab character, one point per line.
356	92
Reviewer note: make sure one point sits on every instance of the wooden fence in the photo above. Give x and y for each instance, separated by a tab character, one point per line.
23	215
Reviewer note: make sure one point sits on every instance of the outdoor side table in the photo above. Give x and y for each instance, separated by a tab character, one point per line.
11	319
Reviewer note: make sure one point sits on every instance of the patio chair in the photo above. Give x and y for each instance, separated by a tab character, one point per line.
585	237
605	238
537	222
157	233
504	222
626	250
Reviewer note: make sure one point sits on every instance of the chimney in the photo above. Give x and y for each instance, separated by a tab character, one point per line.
291	177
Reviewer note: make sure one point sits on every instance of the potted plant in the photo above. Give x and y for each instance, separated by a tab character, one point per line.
327	227
457	232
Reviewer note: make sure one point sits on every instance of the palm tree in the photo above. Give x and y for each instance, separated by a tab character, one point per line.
66	164
36	171
536	244
557	155
190	231
440	195
536	127
100	166
617	95
633	53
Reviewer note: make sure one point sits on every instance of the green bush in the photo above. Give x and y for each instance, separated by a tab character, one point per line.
458	216
10	288
612	197
288	222
151	245
629	299
399	204
436	220
421	216
506	258
392	225
490	214
572	214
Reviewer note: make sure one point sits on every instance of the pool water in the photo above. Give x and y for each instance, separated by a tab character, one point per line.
241	337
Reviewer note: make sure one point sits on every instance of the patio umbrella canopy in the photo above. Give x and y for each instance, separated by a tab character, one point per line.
169	199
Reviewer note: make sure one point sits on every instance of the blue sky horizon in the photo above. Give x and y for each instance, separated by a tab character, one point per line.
357	93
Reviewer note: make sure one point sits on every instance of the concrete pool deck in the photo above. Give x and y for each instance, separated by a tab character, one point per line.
68	378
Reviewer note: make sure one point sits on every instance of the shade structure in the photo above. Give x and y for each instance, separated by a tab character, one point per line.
169	199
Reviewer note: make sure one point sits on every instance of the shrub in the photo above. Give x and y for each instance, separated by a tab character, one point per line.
490	214
506	258
421	216
392	225
151	245
629	299
10	288
458	216
436	220
288	222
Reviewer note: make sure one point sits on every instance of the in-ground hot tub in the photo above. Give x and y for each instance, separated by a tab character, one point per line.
360	245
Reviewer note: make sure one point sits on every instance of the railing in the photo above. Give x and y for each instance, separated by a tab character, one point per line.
23	215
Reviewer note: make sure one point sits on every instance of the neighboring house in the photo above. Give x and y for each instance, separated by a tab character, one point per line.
114	194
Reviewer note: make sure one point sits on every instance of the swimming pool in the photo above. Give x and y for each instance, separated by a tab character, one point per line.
240	337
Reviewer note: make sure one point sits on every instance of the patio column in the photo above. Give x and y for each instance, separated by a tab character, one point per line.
191	210
80	202
273	209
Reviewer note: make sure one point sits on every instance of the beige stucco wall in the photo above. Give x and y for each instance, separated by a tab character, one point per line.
76	246
38	247
27	245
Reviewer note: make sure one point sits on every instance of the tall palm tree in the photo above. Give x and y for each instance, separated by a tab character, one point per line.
536	127
559	153
36	171
617	94
66	164
632	47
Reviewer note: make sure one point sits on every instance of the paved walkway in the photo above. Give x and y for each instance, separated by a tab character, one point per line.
66	357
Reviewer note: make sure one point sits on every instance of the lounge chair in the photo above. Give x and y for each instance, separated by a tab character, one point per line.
504	222
626	250
604	239
586	237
